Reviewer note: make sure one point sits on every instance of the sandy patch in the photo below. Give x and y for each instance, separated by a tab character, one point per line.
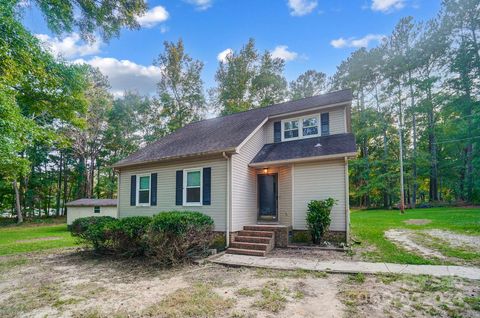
417	221
66	284
403	238
455	239
399	296
39	239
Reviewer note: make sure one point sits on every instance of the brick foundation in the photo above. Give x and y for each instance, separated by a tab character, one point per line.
303	236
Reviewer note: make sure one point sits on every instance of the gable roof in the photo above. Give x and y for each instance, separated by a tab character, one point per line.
224	133
338	144
93	202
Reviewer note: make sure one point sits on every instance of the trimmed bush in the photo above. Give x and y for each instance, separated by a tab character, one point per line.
126	235
318	218
91	231
176	237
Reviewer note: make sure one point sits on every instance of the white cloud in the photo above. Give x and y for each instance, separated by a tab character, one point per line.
70	46
302	7
222	56
153	17
126	75
281	51
339	43
387	5
201	4
357	42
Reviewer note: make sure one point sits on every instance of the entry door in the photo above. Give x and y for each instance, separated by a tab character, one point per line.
267	196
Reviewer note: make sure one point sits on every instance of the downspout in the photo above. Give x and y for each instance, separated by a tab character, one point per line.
227	217
118	193
347	204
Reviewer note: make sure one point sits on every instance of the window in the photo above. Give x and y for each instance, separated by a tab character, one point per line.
96	209
143	192
290	129
192	179
310	126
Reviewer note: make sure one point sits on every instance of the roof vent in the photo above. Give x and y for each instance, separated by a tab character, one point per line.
318	145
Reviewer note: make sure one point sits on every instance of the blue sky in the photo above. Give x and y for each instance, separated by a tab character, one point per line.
308	34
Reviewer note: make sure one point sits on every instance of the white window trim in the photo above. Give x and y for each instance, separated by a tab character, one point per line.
185	173
149	189
300	127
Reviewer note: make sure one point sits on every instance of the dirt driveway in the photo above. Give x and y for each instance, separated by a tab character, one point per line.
73	283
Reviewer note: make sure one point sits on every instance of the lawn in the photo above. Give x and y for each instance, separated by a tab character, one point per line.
28	238
368	227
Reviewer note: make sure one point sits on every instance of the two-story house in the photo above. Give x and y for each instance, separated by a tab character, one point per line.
252	171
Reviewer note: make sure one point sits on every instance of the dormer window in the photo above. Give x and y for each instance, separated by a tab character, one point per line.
290	129
310	126
305	127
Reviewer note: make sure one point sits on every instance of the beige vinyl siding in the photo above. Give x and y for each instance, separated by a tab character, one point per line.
319	180
268	128
336	117
75	212
244	183
285	195
166	189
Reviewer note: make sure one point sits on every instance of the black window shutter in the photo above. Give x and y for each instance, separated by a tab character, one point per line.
207	185
179	188
277	131
133	190
325	124
153	189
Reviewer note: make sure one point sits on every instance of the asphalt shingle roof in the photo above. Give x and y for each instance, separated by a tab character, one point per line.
305	148
93	202
223	133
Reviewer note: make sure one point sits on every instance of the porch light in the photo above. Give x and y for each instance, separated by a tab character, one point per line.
265	170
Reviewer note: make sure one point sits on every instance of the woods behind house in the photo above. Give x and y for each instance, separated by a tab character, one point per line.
61	129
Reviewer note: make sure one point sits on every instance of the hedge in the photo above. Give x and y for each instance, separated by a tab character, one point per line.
169	237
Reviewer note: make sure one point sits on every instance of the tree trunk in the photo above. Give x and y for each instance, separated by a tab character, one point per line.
17	202
432	142
59	185
414	128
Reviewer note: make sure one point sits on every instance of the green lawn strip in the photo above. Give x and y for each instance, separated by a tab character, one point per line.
21	239
461	252
369	227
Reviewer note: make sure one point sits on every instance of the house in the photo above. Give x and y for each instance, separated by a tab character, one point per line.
252	171
82	208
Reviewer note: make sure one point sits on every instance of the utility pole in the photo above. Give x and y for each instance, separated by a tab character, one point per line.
402	190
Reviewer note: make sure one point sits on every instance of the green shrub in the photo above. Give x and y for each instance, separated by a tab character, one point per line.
126	236
318	218
91	231
175	237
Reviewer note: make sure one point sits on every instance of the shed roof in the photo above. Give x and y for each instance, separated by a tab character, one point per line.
93	202
306	148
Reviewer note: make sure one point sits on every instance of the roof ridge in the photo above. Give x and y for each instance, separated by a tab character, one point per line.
271	105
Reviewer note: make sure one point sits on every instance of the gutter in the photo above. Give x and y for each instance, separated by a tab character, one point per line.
166	159
228	210
305	159
347	203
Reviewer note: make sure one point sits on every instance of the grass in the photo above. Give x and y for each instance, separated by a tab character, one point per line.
197	301
272	298
24	238
369	227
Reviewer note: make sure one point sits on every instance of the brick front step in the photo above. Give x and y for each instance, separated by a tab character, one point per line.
250	246
240	251
252	239
260	227
255	233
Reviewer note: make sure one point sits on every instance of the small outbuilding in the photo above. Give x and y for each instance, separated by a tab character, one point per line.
91	207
